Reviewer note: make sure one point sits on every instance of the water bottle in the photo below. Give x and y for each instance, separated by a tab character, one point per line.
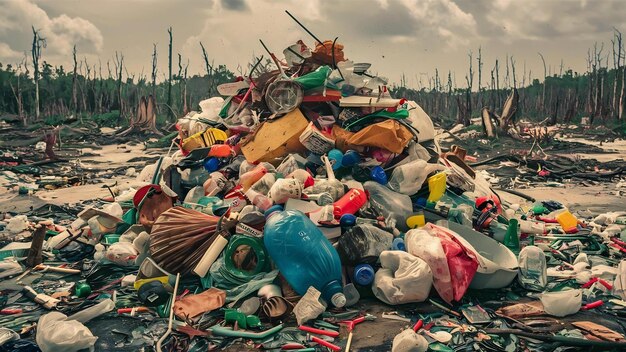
303	255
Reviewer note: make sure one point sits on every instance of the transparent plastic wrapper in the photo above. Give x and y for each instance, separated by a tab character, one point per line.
388	202
403	278
532	269
57	334
409	178
562	303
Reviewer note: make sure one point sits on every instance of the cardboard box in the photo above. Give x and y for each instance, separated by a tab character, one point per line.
276	138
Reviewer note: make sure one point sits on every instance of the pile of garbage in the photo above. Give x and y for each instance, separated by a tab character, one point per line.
305	192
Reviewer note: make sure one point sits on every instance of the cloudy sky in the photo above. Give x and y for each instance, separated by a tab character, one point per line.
410	37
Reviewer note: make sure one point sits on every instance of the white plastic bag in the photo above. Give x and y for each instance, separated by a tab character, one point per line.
403	278
122	253
409	178
56	334
421	121
422	244
562	303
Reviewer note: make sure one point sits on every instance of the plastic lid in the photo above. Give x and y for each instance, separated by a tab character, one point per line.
338	300
347	220
273	209
364	274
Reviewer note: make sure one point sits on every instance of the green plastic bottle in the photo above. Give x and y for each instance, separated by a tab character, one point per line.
511	239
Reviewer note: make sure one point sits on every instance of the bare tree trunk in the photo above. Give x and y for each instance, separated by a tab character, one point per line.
209	70
621	96
169	80
38	44
74	99
154	74
545	79
479	98
617	56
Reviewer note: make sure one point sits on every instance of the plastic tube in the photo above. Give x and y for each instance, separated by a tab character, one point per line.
210	256
169	325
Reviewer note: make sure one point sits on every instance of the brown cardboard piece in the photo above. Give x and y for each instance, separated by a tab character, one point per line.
275	138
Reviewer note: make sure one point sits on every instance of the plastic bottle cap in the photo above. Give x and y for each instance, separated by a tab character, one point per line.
398	244
347	220
272	209
364	274
211	164
378	174
338	300
83	290
350	159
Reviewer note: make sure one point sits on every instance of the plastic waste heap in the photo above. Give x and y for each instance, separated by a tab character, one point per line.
303	255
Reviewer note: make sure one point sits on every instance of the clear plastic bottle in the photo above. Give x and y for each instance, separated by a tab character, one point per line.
303	255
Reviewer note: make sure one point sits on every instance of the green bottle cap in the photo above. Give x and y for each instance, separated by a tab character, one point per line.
82	290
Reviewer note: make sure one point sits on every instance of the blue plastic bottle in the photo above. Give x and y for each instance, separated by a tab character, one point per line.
303	255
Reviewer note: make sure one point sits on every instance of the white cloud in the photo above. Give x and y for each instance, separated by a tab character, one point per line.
61	32
8	53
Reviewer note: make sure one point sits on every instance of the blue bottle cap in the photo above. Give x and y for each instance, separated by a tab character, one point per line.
335	156
347	220
211	164
364	274
398	244
378	174
350	159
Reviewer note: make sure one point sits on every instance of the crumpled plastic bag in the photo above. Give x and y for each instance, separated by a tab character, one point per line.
420	120
403	278
562	303
453	264
310	306
122	253
56	334
388	134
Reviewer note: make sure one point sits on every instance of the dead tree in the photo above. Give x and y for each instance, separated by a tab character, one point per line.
169	79
623	91
74	72
119	68
479	98
209	69
17	92
466	117
144	119
38	43
617	58
545	76
154	69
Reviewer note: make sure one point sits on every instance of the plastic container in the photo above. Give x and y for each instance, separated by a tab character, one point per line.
350	203
364	274
568	222
303	255
259	200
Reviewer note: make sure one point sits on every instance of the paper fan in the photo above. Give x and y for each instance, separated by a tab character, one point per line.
180	237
